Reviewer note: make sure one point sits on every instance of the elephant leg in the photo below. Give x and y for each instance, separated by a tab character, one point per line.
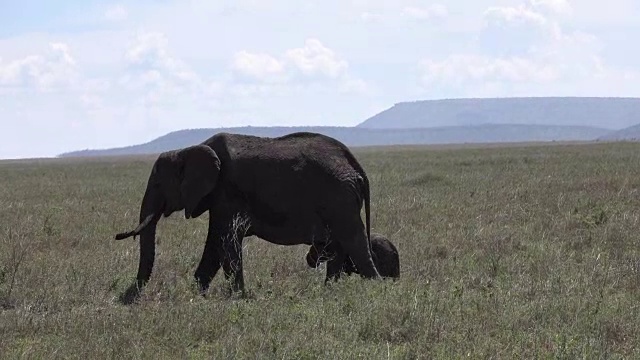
319	252
350	233
235	232
335	266
229	272
226	267
359	252
212	257
232	263
209	264
349	268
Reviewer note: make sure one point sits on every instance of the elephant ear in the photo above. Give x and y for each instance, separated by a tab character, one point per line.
200	170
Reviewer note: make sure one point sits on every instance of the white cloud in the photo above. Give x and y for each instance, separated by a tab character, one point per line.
425	13
116	13
55	68
396	13
371	17
556	6
315	58
506	16
310	64
150	62
260	66
357	86
515	31
92	102
150	49
465	68
523	48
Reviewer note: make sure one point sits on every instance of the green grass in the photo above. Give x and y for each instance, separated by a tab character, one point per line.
507	252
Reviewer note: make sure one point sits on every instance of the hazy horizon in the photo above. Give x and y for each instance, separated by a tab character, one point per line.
101	74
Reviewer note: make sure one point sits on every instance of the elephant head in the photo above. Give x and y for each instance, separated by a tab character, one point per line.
179	180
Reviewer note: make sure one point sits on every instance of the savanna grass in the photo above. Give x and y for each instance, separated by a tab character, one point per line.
507	252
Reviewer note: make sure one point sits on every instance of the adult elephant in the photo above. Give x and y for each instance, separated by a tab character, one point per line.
301	188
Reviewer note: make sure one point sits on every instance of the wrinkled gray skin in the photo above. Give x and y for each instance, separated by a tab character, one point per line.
384	253
302	188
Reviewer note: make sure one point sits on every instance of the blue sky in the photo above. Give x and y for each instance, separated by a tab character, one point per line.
95	74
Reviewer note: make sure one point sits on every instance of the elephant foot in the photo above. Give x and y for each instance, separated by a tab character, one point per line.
335	267
235	293
203	281
131	295
331	280
234	278
202	289
235	288
245	295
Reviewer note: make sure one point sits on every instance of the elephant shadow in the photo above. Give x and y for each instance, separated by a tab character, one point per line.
131	295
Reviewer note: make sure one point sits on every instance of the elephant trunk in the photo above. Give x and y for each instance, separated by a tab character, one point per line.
150	212
148	209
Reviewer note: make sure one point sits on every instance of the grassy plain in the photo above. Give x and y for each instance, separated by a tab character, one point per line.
506	252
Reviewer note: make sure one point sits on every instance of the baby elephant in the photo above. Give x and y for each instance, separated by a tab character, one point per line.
384	253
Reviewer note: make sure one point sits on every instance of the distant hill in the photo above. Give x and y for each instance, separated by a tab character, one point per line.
614	113
357	136
450	121
632	133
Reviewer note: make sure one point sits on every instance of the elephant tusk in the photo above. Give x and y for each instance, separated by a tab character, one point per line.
124	235
137	231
